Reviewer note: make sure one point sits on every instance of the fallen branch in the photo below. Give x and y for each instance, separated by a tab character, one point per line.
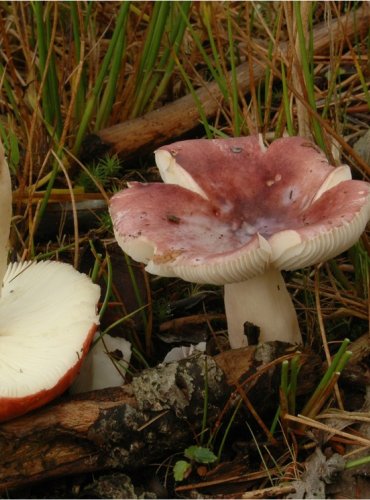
173	120
158	414
273	492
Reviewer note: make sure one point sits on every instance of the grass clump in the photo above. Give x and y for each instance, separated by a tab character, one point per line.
100	173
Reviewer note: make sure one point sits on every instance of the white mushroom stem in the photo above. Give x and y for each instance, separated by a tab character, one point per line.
265	302
5	213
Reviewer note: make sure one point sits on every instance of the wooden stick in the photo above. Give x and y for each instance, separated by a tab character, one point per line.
157	127
158	414
305	421
272	492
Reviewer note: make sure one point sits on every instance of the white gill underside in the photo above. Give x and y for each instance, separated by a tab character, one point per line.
289	252
46	312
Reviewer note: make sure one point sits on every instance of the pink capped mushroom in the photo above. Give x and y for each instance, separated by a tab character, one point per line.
233	212
47	320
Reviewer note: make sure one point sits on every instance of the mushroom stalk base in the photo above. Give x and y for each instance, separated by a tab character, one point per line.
265	302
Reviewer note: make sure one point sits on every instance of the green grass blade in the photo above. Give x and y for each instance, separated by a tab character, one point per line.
76	28
219	78
269	74
149	55
149	72
97	263
153	39
122	320
357	462
88	16
45	200
215	52
109	96
227	430
361	263
284	377
292	391
42	53
288	116
50	94
109	283
9	93
91	103
234	81
53	83
136	289
326	378
308	75
11	145
165	68
203	117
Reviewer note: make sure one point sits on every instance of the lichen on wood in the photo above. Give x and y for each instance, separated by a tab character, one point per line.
158	414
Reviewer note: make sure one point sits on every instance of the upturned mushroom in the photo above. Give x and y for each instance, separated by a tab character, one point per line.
47	320
233	212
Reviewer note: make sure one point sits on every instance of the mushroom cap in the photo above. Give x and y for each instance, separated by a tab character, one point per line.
47	320
231	208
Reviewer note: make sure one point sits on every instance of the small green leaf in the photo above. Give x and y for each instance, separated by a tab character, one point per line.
200	454
181	470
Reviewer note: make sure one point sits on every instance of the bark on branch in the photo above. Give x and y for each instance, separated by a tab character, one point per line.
147	420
